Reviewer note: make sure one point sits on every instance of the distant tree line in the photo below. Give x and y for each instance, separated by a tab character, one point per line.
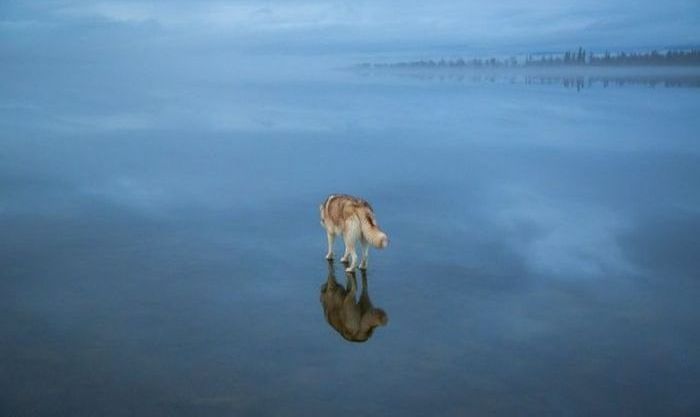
582	57
448	63
579	57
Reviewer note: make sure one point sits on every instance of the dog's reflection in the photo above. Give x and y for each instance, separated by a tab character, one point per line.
354	320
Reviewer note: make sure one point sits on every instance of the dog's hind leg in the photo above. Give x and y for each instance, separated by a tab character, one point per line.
351	234
346	255
331	239
365	253
353	256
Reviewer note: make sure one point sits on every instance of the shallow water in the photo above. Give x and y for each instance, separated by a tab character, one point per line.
162	255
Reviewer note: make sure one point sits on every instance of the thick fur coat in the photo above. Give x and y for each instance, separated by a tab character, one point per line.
354	220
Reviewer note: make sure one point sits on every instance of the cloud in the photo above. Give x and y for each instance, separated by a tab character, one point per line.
569	238
212	16
358	24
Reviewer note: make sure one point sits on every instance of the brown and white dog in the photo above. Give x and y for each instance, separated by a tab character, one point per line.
353	218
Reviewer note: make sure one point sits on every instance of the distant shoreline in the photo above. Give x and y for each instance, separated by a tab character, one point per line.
578	77
579	58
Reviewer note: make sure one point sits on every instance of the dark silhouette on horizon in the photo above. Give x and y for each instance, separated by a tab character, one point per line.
579	57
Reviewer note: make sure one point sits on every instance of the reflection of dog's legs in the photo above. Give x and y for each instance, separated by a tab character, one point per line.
331	271
351	286
364	302
331	239
330	283
365	253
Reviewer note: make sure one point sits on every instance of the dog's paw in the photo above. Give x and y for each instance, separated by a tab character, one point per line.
329	257
350	269
363	267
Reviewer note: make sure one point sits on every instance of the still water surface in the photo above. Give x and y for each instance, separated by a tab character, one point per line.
161	251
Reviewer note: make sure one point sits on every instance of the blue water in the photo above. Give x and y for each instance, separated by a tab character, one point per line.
161	253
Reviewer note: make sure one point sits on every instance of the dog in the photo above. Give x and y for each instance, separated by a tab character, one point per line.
353	218
354	320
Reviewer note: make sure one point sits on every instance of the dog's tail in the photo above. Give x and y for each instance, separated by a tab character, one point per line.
370	230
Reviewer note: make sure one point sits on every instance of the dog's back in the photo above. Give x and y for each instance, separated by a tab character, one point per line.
337	208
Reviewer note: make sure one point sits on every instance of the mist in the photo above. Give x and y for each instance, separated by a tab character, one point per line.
162	167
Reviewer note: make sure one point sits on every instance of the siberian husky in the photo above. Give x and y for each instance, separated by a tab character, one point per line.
354	219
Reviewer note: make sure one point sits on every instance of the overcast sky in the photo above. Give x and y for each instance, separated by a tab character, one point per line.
355	27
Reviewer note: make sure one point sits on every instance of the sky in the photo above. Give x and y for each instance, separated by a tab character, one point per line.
61	27
107	63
